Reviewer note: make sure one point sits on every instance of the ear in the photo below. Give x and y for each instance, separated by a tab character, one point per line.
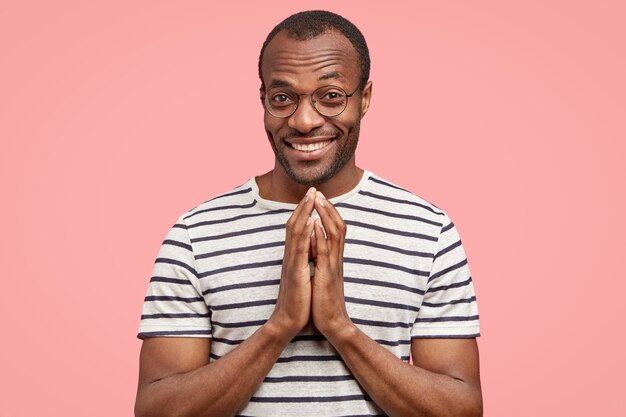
366	97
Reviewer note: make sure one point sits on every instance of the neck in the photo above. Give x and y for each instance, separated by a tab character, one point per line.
276	185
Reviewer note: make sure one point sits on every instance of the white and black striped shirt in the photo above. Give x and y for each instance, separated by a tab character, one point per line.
406	276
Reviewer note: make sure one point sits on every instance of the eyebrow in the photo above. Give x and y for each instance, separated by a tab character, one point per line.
335	75
279	83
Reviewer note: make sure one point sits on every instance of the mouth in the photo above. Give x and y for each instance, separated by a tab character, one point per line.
309	147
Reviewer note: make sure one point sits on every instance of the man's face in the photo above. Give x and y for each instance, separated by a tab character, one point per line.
304	66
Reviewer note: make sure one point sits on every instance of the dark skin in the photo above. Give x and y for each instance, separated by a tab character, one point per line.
326	60
176	378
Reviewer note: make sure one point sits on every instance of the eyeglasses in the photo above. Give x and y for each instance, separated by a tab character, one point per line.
329	101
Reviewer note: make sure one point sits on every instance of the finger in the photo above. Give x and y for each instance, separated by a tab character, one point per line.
303	244
298	219
313	245
334	225
321	244
306	204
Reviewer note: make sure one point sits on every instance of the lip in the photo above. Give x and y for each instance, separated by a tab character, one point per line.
306	141
309	155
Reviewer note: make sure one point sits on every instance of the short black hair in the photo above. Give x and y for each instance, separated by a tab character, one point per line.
310	24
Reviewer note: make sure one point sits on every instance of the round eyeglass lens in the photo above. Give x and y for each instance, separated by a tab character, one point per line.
329	101
281	102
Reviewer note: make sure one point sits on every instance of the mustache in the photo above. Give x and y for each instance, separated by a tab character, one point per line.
312	134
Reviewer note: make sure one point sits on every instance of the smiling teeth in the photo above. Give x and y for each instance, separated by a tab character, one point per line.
310	147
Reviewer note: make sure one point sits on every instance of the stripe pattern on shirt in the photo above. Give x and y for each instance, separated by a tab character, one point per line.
217	275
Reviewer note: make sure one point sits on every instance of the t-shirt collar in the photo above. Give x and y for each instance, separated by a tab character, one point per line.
280	205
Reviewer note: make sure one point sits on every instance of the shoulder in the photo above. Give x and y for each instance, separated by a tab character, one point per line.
240	197
384	193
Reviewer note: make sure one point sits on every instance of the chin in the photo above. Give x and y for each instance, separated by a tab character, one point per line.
314	176
310	180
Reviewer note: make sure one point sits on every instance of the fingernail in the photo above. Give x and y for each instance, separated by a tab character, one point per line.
308	222
308	194
321	195
321	201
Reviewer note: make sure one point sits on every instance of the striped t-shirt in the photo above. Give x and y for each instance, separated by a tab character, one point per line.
406	276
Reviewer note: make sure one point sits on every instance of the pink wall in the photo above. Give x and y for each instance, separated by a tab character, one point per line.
115	119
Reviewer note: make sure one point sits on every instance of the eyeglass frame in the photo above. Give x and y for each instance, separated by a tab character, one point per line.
264	95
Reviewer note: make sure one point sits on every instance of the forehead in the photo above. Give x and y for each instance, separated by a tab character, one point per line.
329	56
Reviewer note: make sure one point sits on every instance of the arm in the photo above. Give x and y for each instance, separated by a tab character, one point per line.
175	376
444	380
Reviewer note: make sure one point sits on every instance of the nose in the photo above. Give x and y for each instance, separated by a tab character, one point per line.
305	118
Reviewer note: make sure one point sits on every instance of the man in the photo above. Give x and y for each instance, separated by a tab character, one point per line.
305	290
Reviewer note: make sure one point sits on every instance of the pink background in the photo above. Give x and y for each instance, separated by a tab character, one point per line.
117	117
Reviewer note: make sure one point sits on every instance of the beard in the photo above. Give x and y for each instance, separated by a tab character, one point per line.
311	173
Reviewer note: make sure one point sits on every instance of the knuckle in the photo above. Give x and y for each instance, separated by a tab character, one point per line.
301	247
323	250
335	234
292	230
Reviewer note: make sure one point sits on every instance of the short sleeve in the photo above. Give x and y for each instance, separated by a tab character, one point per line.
174	305
449	308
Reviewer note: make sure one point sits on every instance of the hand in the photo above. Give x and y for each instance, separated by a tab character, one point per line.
293	305
328	306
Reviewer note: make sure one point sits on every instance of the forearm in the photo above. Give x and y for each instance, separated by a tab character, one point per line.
399	388
220	388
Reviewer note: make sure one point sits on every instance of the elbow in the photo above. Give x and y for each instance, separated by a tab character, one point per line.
144	411
146	407
474	406
473	401
471	408
469	404
150	402
476	411
141	409
478	403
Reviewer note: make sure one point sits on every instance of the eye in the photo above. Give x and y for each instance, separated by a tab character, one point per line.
330	97
281	98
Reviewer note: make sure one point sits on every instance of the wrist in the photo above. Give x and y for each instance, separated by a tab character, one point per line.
339	331
279	330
